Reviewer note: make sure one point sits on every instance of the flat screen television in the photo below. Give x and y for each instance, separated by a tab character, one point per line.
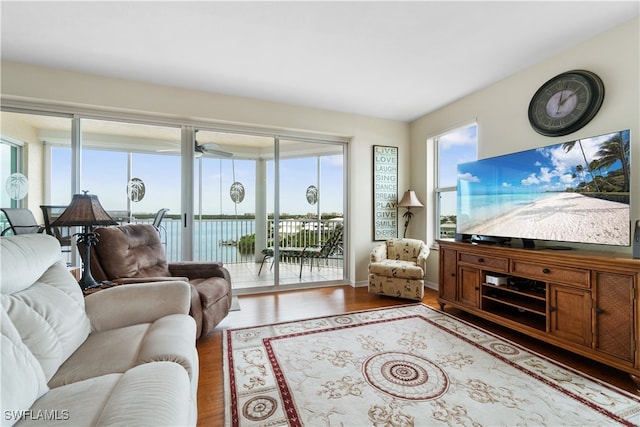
576	191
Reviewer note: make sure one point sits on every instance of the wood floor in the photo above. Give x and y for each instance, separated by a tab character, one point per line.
294	305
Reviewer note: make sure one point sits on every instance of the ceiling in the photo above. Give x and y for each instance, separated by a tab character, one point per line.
396	60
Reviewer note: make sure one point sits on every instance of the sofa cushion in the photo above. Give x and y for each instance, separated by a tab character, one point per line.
22	377
151	394
131	251
25	258
110	352
169	338
49	314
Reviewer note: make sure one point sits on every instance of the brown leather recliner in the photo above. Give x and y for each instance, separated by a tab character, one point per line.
134	253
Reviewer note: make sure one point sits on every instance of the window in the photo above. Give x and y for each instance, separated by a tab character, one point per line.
14	183
457	146
222	206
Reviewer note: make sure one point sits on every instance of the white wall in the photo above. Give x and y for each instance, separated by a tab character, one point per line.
503	126
22	82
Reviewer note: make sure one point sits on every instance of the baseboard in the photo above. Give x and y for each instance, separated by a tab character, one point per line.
430	285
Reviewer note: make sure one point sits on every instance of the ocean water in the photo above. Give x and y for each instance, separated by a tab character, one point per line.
214	237
210	236
478	209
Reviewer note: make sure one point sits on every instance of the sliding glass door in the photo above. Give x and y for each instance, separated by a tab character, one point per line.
270	208
227	201
310	211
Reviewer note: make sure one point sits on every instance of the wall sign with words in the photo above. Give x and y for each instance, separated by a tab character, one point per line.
385	192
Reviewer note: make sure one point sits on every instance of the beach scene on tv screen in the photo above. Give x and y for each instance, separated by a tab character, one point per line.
575	191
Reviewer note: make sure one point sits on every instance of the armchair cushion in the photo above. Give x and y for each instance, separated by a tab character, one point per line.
130	251
412	250
394	268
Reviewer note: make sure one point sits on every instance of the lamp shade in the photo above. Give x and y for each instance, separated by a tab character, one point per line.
85	210
410	200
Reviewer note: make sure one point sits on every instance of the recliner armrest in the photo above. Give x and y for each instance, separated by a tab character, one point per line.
137	303
199	270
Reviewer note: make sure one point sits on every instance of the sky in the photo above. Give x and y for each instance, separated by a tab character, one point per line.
104	173
459	146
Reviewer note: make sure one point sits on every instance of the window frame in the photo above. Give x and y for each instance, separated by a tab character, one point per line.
439	190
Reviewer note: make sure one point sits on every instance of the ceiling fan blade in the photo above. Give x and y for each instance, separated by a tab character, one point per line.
217	153
211	149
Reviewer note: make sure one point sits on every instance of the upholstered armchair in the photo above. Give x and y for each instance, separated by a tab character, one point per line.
134	253
397	267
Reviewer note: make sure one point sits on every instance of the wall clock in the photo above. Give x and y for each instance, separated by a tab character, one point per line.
566	103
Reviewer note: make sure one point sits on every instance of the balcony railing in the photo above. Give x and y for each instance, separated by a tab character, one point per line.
233	240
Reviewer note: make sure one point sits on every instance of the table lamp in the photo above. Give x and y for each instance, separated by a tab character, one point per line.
85	210
409	200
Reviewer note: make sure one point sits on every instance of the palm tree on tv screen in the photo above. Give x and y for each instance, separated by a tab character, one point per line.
613	150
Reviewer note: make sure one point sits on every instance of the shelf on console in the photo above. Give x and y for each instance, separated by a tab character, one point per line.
524	317
525	307
538	294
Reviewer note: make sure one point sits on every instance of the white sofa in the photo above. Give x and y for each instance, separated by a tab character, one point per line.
121	356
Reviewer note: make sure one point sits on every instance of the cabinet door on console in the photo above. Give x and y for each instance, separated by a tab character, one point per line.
570	314
448	277
469	286
614	296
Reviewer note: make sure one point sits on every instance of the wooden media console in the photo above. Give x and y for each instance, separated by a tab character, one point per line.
584	302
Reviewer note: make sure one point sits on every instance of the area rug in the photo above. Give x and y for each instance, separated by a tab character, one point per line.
405	366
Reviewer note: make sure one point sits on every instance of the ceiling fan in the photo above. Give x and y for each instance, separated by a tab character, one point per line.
211	149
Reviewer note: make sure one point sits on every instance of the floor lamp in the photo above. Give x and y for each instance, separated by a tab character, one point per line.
85	210
409	200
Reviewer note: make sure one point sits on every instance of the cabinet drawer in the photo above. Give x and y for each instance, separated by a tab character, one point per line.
494	263
569	276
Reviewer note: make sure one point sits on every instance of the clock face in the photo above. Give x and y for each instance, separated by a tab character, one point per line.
566	103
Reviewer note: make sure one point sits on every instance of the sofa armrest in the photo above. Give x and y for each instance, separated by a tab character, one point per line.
199	270
136	303
378	253
422	257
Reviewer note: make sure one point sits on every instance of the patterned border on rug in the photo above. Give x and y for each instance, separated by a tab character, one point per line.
431	369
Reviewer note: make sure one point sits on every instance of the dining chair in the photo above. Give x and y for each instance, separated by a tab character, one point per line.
63	234
21	221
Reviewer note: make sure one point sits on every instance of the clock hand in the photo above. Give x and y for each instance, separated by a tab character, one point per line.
567	98
560	102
